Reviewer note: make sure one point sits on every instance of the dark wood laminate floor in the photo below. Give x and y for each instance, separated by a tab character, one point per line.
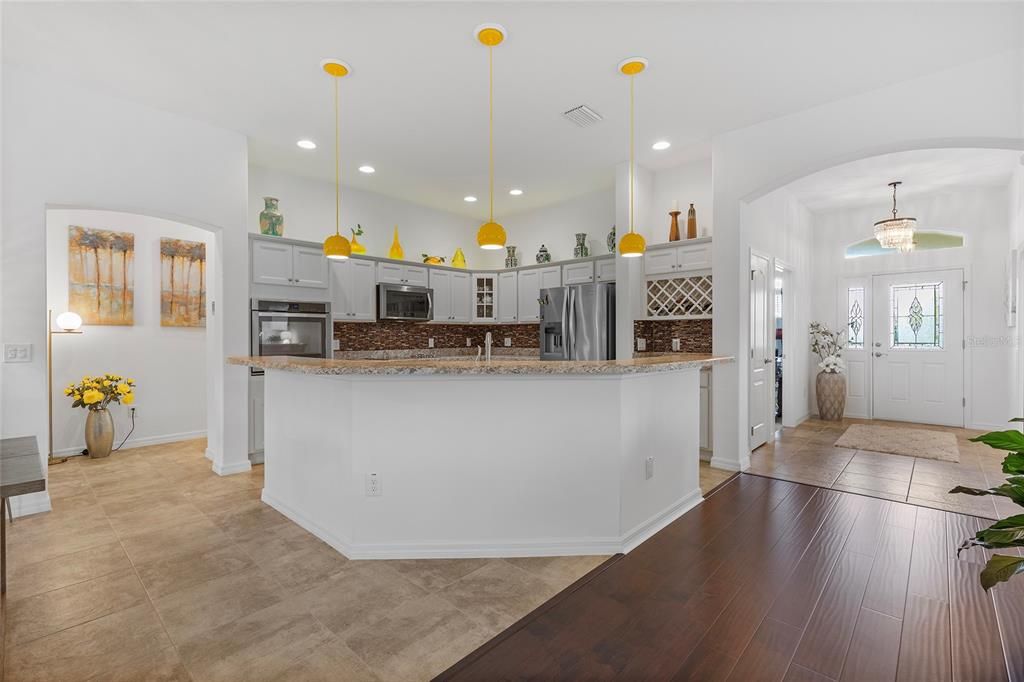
772	580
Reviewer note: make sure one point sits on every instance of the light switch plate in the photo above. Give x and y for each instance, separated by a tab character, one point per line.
469	342
430	342
649	468
675	345
17	352
508	342
335	344
641	344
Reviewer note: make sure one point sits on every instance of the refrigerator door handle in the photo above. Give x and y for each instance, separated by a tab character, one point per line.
565	322
571	297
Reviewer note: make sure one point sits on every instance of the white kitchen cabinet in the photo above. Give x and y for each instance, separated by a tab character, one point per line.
485	293
288	264
550	277
256	415
705	409
528	291
462	306
309	267
578	273
685	258
508	297
605	269
353	290
400	273
451	295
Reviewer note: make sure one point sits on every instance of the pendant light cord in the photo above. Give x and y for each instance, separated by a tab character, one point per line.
337	163
894	201
632	163
490	124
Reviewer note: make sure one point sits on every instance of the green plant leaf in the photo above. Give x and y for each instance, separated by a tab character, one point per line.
1001	568
1013	489
964	490
1008	532
1014	463
1002	440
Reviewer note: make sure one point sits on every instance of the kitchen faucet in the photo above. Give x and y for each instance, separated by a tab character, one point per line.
488	342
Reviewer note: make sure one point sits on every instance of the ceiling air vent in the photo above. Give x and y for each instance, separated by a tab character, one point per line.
583	116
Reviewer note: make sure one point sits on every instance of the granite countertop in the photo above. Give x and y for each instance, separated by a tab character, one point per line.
497	365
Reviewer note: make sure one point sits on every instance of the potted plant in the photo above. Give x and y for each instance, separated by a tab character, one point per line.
830	384
95	394
1009	532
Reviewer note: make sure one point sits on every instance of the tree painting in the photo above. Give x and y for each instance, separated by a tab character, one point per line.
182	283
101	275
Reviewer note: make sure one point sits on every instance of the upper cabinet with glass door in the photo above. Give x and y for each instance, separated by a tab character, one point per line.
485	297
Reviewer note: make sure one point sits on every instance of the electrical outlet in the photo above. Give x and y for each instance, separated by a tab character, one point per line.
430	342
17	352
469	342
641	344
335	344
374	486
649	468
675	345
508	342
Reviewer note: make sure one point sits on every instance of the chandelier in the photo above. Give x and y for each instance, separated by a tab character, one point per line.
896	233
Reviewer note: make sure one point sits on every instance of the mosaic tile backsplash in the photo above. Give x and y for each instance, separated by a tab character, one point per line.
394	335
694	335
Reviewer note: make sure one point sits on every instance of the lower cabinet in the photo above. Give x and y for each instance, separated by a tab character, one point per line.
256	418
705	409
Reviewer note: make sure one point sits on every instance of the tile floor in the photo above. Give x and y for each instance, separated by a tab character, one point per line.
711	477
806	454
150	567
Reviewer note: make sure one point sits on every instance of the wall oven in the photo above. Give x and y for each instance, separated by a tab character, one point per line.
404	302
296	328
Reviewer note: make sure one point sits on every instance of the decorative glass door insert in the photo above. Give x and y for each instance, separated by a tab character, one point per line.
915	317
855	311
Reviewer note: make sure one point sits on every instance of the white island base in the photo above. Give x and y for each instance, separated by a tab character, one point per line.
482	465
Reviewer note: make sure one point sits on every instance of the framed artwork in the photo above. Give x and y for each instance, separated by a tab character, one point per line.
182	283
101	275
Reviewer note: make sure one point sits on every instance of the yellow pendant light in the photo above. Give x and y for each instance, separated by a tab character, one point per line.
632	244
336	247
491	235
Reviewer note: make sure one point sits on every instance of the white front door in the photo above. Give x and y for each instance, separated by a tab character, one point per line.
917	350
761	374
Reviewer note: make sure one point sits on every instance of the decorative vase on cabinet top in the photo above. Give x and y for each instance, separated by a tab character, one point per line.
611	240
396	251
581	250
511	259
691	223
459	259
271	220
356	246
543	256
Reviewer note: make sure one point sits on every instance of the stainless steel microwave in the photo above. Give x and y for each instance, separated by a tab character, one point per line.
404	302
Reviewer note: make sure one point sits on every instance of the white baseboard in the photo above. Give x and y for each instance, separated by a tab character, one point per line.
33	503
518	548
209	454
726	464
980	426
140	442
229	469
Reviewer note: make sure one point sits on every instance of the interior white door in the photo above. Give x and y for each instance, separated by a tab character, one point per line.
918	347
760	357
854	310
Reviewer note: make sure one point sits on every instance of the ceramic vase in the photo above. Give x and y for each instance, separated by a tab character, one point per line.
611	240
99	433
543	255
356	246
396	252
831	391
459	259
673	227
271	220
581	250
511	259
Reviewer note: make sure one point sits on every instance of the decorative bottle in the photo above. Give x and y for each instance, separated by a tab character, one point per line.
691	223
271	220
396	252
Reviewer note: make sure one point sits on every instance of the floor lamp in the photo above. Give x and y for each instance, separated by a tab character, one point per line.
67	323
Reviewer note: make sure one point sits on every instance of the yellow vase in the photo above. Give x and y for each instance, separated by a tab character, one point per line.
396	252
356	246
459	259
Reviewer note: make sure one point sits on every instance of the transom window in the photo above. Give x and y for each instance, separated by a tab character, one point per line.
916	316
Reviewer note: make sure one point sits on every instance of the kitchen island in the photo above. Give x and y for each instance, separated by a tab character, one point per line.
430	458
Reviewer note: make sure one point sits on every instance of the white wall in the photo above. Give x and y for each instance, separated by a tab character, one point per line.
308	208
980	213
781	228
167	363
1015	211
971	105
67	146
689	183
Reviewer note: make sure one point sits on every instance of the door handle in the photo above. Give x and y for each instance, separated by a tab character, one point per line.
878	355
767	361
878	344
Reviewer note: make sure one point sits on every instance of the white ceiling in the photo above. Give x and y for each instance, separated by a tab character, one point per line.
415	107
864	183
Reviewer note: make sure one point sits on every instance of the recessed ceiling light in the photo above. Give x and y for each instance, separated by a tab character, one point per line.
367	169
306	144
470	199
515	192
661	145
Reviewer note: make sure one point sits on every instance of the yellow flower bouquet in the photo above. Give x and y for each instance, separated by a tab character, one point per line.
95	393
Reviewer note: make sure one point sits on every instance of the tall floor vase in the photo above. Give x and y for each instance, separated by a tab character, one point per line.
831	390
99	433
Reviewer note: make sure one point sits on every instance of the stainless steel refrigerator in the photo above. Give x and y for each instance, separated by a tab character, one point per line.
577	322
